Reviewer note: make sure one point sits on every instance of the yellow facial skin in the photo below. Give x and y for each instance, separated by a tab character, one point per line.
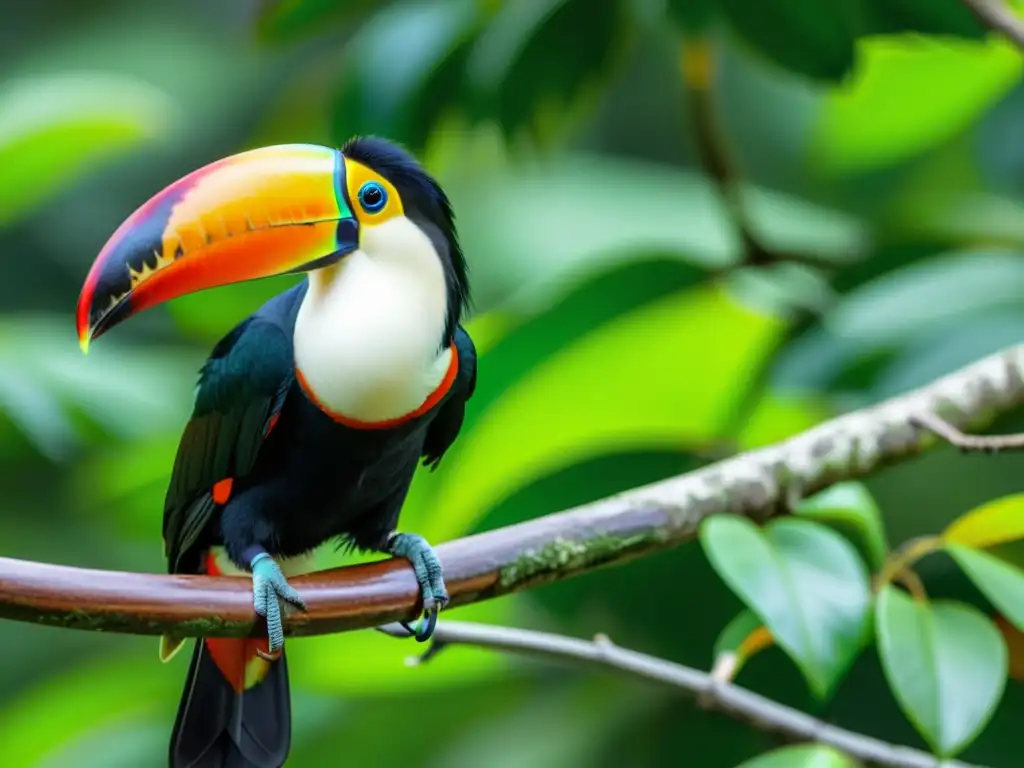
357	175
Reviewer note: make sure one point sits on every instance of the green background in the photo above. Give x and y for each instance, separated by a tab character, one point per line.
621	337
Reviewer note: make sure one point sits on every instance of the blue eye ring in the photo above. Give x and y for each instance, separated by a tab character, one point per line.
372	197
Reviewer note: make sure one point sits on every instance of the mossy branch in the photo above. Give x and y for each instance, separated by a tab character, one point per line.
549	548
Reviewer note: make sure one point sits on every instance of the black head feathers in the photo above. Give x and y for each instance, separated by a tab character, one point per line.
426	204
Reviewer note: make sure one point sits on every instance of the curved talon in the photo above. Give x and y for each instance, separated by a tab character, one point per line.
427	623
420	632
428	631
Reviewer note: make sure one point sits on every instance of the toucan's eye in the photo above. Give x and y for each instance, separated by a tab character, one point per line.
372	197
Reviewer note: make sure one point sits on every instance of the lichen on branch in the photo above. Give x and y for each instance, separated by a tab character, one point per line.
522	556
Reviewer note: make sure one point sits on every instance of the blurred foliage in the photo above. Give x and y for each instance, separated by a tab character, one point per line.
623	339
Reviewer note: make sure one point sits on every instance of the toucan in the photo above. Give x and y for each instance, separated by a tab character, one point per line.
313	414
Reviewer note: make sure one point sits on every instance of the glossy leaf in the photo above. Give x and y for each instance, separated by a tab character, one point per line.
910	325
678	215
946	289
863	124
815	40
522	344
1001	582
741	639
402	95
591	300
57	128
556	414
995	522
804	581
946	663
538	53
801	756
853	507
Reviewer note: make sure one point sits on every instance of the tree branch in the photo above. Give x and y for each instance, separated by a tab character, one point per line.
998	17
607	532
726	698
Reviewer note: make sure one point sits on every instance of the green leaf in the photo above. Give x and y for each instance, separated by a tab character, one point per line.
816	40
55	129
591	390
679	214
995	522
594	298
805	582
1001	582
909	325
742	637
518	68
403	95
519	346
899	306
946	664
929	17
801	756
865	125
851	505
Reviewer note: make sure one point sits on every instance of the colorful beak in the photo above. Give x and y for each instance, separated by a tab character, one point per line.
265	212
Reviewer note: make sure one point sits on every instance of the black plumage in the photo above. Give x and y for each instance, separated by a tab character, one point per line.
299	478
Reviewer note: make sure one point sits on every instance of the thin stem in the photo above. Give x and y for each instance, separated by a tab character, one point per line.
965	442
726	698
900	562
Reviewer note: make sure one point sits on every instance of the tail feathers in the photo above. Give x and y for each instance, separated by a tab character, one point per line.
219	727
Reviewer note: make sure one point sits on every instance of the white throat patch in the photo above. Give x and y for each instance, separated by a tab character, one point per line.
368	330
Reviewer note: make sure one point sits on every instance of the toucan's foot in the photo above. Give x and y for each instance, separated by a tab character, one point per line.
269	584
430	576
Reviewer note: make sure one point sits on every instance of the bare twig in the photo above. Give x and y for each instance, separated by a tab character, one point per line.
607	532
998	17
965	442
731	700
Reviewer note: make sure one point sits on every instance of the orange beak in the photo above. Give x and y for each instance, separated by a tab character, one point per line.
261	213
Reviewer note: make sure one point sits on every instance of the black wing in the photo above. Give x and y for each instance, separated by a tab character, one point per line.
242	387
446	425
